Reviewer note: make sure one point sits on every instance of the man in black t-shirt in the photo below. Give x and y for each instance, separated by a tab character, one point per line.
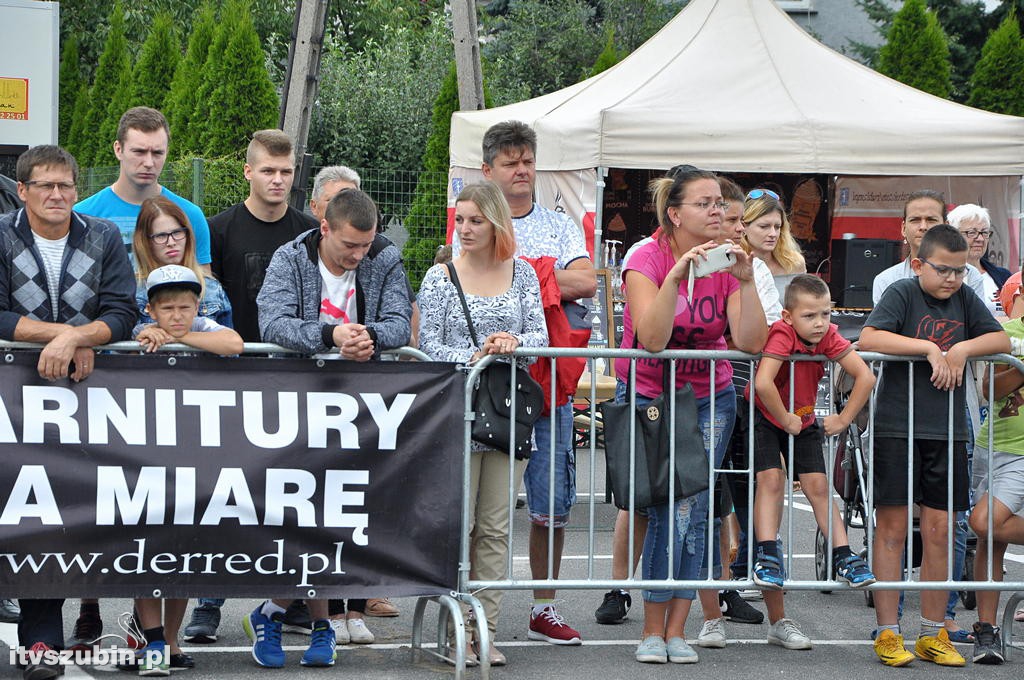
245	236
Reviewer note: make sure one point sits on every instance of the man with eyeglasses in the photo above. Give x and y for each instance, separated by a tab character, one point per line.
65	282
974	223
143	137
922	210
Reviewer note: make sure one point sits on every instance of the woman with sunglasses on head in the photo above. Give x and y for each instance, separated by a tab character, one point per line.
663	311
768	237
164	236
974	223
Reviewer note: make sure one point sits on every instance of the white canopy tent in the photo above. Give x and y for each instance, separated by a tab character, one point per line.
737	86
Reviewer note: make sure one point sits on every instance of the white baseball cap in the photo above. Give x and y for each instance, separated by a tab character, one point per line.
172	275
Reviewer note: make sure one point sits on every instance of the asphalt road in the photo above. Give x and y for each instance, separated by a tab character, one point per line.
839	624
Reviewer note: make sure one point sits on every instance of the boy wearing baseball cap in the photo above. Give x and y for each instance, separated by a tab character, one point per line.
173	293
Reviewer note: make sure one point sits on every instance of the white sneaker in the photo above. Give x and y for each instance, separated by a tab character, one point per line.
358	633
786	634
340	631
712	634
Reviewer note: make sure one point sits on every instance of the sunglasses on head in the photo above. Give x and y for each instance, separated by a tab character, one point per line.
758	193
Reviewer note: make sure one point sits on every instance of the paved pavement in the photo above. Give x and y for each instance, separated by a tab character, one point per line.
839	624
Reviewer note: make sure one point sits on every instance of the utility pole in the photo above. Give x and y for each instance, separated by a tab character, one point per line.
467	55
300	84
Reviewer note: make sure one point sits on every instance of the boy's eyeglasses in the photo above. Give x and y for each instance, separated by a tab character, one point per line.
161	239
971	234
945	272
758	193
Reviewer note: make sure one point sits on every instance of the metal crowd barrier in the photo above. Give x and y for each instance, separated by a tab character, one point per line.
794	581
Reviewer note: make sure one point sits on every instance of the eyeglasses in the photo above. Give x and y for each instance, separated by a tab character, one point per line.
161	239
48	187
708	205
758	193
972	234
945	272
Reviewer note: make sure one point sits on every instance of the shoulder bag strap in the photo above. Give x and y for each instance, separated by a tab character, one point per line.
462	298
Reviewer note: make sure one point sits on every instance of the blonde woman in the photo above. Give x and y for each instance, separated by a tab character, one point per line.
503	297
768	237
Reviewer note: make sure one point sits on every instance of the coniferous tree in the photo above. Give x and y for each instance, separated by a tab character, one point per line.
158	59
609	56
70	82
80	114
119	103
114	61
210	78
428	215
916	51
244	100
179	104
998	81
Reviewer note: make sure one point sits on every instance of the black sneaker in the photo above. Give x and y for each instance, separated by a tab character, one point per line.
297	619
87	632
613	609
736	609
202	628
988	648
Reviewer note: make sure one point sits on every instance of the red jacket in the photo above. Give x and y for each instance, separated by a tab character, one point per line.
561	333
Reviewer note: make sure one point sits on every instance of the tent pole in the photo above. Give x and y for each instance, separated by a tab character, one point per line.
1020	225
599	262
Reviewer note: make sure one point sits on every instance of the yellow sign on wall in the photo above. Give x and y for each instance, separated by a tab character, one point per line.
14	98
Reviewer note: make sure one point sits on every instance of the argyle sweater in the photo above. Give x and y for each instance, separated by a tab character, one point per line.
96	279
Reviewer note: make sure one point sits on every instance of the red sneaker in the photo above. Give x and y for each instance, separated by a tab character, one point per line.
549	626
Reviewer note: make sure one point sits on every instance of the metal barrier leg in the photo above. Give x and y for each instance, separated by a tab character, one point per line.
483	632
450	611
1007	628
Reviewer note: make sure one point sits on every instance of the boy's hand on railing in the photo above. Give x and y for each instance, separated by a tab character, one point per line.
956	359
942	376
792	424
834	424
153	338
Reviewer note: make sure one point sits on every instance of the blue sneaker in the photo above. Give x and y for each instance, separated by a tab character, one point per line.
154	660
652	650
768	572
855	571
321	651
265	634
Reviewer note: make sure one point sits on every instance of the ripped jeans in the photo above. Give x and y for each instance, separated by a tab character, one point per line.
691	513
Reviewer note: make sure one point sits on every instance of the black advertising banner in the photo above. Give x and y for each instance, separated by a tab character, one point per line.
246	477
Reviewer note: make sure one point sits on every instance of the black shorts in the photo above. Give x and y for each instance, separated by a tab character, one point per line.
771	446
931	465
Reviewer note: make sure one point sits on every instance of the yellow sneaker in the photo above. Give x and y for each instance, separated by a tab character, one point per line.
938	649
890	650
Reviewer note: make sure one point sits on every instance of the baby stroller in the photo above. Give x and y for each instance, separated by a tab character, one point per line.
850	481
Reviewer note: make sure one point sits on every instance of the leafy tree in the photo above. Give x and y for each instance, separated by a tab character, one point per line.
114	63
71	81
154	71
998	82
358	25
916	51
372	104
244	100
179	104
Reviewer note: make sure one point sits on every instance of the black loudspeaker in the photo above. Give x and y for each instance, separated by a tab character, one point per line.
855	264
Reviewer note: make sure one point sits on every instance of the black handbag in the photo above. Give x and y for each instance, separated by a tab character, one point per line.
651	425
492	398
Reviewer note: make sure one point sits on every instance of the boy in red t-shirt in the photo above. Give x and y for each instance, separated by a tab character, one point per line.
805	328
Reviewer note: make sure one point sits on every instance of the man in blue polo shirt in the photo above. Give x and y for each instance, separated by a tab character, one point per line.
141	149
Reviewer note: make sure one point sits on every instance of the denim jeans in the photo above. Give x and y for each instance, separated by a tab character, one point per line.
689	527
